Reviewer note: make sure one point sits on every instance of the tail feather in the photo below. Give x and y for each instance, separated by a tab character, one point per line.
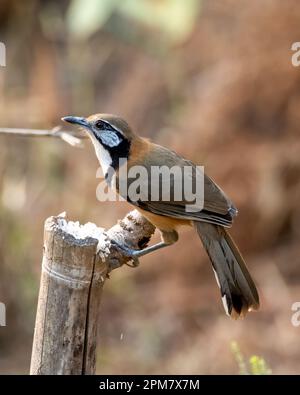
238	291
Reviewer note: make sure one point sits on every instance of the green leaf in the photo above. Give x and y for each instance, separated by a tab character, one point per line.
255	366
86	17
174	17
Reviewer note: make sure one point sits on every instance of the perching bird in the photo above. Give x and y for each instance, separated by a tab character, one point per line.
113	140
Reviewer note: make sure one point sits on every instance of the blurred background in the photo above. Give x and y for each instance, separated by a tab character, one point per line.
210	79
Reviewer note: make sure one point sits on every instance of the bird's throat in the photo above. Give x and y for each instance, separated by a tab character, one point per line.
110	156
103	156
104	159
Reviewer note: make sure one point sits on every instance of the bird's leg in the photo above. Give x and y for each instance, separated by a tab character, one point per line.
168	238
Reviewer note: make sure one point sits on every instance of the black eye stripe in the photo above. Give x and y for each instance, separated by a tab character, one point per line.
121	150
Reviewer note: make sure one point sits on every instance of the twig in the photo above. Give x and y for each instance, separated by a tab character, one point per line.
72	138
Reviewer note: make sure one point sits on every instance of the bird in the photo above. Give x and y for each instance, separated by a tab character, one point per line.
115	141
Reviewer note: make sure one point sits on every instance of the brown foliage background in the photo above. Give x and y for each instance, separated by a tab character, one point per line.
227	96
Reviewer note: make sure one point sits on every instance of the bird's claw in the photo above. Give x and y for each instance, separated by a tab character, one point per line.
128	252
135	262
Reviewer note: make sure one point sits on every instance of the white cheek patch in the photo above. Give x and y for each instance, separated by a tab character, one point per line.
110	138
104	158
103	155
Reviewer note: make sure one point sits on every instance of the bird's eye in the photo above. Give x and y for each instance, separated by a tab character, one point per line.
101	125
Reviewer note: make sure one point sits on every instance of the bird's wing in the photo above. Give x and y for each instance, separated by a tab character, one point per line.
215	207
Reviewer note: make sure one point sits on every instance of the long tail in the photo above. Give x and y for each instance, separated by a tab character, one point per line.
238	291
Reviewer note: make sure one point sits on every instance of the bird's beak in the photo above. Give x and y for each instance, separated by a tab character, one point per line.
77	121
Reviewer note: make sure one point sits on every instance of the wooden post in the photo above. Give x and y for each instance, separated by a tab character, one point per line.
74	271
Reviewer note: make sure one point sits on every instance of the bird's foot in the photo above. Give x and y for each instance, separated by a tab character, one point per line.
128	252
